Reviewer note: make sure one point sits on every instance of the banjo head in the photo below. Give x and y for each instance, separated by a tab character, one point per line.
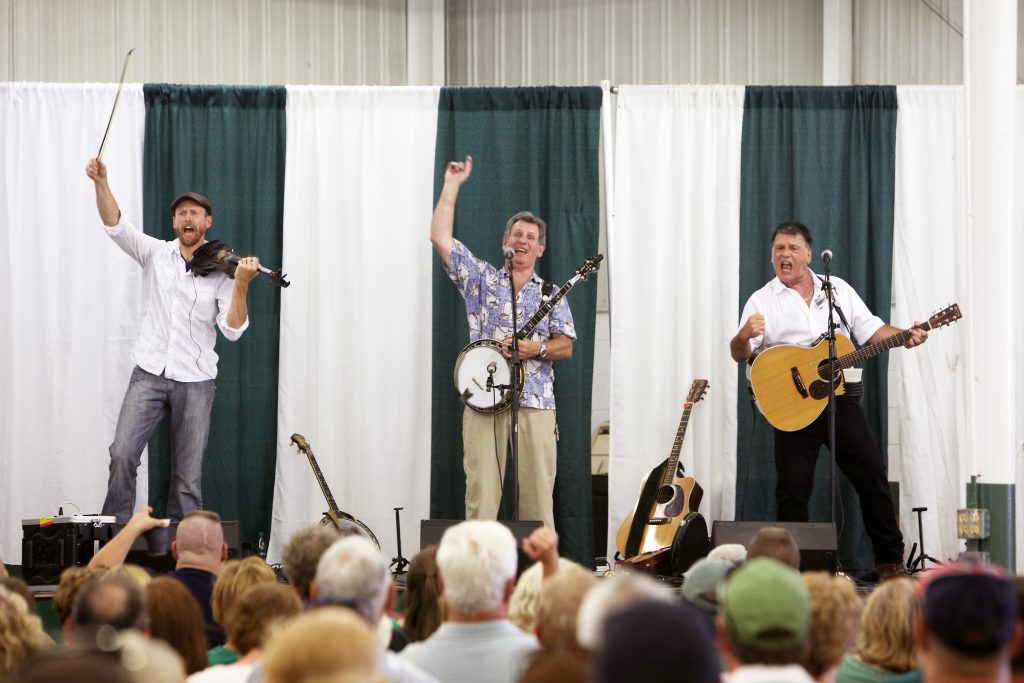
473	367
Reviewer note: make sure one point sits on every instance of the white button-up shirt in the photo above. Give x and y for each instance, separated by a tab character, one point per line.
789	320
177	333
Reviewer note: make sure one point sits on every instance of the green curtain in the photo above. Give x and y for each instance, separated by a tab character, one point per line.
533	149
824	156
227	143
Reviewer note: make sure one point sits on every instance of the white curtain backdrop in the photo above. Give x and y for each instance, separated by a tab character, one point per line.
355	324
1018	348
673	265
69	300
927	385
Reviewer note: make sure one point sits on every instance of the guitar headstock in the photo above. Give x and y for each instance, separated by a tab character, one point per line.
300	441
948	315
590	266
697	391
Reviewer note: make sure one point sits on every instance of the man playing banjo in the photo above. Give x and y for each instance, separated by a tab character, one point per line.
489	308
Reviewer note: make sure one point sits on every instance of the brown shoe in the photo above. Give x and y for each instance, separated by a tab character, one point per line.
891	570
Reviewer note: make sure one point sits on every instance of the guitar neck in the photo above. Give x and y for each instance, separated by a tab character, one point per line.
871	350
320	480
677	446
545	308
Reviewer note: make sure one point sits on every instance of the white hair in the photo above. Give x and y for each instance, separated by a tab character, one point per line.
476	560
733	553
611	596
352	572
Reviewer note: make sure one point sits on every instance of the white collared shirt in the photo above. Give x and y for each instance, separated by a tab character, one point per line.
177	335
789	320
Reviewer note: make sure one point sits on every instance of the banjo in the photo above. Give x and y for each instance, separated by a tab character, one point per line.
483	374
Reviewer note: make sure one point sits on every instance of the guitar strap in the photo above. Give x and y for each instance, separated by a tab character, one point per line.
643	508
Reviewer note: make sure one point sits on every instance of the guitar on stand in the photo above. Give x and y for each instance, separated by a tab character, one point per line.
334	515
664	524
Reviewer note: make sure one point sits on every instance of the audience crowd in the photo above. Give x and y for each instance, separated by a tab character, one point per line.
745	614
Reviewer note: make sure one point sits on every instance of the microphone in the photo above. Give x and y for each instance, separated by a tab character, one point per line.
492	367
509	253
826	256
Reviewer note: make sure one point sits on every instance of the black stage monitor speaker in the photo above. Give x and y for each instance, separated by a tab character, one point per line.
51	545
816	540
431	531
165	563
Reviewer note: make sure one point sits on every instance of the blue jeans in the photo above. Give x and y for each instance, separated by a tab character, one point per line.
148	399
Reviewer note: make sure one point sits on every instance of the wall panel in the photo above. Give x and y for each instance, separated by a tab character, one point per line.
258	42
908	42
572	42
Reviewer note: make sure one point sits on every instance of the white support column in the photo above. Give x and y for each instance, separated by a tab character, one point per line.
425	42
837	42
990	54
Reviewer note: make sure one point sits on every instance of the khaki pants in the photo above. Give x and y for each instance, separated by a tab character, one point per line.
537	459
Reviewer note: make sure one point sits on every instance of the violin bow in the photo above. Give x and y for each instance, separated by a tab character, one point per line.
117	98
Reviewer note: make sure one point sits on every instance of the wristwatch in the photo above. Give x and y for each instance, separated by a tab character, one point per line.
543	352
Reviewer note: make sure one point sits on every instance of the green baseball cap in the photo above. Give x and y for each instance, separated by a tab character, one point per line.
765	605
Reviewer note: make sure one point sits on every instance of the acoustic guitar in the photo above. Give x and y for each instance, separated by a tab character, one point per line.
667	496
790	383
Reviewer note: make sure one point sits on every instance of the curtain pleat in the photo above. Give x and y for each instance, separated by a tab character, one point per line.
355	350
674	284
70	299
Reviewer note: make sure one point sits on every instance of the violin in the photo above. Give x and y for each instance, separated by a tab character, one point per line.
215	256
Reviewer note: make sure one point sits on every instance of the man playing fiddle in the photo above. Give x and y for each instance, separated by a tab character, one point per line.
175	361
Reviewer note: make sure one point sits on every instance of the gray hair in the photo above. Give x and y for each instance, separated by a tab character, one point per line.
476	560
610	597
353	573
528	217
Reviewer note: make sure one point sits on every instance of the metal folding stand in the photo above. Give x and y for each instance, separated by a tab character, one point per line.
398	564
915	565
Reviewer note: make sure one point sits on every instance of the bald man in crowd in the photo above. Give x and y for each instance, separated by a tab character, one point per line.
199	552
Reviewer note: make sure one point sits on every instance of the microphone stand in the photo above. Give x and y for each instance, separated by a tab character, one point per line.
513	383
831	334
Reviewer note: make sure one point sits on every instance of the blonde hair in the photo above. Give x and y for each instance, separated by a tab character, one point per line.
887	626
71	580
234	579
560	600
256	612
835	611
297	653
21	633
522	606
133	572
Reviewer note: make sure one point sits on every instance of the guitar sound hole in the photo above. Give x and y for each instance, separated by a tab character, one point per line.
665	494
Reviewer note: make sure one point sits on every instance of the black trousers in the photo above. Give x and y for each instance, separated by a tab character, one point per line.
796	454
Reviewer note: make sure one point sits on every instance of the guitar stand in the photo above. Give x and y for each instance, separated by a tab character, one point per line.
917	565
398	564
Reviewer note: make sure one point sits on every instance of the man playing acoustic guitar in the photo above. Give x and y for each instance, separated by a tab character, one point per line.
793	309
488	300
